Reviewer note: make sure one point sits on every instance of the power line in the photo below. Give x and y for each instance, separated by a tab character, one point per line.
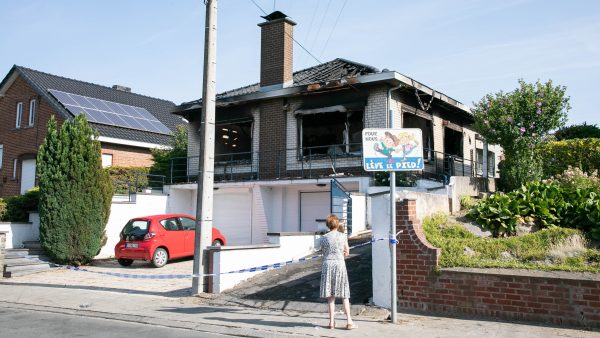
332	29
321	24
310	26
262	10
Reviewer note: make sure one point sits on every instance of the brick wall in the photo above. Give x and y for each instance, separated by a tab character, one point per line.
272	132
276	52
20	143
128	156
570	299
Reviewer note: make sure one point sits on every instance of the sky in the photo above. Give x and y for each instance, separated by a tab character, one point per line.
463	48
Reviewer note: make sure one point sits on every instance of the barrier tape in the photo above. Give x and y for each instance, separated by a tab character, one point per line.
392	241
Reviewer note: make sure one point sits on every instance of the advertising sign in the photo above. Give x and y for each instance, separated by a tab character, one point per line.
392	149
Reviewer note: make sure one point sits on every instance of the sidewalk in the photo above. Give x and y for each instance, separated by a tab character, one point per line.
194	313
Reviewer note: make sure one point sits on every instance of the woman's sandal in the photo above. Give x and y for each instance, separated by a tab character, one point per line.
351	326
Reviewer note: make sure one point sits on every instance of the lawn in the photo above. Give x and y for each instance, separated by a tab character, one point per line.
553	248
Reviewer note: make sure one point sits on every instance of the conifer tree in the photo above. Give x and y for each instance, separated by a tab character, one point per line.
75	192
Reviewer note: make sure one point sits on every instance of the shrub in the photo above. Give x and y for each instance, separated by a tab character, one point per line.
162	157
557	156
467	202
122	178
548	203
16	208
575	178
578	131
403	179
2	209
75	192
518	169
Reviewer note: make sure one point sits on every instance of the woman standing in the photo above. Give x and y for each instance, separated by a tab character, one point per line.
334	278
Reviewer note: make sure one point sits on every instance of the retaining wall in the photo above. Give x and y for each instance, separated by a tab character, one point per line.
560	298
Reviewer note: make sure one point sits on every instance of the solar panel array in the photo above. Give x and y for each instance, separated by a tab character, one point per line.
110	113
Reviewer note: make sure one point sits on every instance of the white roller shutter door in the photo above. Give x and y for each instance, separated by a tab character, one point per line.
232	215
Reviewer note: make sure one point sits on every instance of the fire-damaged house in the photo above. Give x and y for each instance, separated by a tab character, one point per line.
288	149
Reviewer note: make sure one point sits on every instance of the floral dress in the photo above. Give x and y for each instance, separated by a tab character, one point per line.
334	278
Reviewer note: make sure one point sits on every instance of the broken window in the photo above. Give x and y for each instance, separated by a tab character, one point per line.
414	121
233	141
453	142
331	133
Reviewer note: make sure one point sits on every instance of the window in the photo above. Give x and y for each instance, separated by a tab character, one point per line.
187	223
1	155
32	108
19	114
233	141
331	133
170	224
107	160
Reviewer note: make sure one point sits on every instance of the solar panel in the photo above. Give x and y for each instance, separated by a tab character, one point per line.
110	113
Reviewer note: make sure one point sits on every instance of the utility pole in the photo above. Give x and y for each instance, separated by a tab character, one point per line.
204	205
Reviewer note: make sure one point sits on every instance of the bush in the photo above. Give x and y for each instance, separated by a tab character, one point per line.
557	156
403	179
575	178
16	208
578	131
467	202
75	192
548	203
122	178
517	169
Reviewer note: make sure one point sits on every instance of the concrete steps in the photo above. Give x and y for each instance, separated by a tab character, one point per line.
27	260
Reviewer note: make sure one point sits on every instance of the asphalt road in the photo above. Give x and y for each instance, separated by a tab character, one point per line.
25	323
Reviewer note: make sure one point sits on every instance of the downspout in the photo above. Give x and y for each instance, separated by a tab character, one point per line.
390	124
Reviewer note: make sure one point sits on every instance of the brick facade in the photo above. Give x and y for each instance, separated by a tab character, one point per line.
23	143
276	52
128	156
272	132
570	299
20	143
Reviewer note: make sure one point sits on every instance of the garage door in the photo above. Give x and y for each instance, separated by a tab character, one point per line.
313	206
27	175
232	215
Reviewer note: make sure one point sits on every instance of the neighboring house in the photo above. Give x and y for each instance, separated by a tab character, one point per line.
280	142
129	125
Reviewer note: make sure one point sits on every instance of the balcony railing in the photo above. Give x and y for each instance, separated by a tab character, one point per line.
311	162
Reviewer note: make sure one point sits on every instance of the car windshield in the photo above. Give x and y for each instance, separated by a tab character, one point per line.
136	229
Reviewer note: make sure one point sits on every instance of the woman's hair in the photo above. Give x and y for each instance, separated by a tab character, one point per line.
332	221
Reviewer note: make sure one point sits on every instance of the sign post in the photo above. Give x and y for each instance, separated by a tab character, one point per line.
392	150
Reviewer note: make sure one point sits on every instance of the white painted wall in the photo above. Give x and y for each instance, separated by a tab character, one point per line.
17	233
120	213
231	258
359	212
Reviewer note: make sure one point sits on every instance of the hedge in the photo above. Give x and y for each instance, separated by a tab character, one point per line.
557	156
123	177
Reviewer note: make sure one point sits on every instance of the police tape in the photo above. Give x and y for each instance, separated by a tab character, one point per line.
392	241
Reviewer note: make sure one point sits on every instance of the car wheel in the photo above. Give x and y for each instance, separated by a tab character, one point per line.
160	257
217	242
125	261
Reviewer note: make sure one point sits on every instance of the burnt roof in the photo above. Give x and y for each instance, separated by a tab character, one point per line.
329	71
41	82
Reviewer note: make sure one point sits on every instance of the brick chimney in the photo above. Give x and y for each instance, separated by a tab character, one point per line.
276	51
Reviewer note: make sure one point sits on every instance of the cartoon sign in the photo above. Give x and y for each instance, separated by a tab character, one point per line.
392	149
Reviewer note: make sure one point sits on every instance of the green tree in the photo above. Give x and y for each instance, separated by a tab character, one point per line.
177	152
75	192
578	131
519	121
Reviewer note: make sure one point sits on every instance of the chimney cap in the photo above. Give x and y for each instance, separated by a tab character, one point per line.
274	16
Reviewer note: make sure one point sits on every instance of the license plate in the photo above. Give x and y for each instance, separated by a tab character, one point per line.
131	245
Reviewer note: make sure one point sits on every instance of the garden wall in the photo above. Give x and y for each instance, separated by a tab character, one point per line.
571	299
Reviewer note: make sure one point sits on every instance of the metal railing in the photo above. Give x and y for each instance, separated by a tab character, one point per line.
312	162
341	204
126	191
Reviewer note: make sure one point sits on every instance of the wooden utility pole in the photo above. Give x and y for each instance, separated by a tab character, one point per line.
204	205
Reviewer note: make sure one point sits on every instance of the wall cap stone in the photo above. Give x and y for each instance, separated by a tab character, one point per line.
586	276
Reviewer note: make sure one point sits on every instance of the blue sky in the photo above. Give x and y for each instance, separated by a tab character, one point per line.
463	48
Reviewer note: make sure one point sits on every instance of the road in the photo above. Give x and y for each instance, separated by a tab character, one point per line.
27	323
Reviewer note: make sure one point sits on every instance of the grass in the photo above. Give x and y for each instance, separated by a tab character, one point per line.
548	249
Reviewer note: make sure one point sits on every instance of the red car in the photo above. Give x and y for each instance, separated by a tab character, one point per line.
159	238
